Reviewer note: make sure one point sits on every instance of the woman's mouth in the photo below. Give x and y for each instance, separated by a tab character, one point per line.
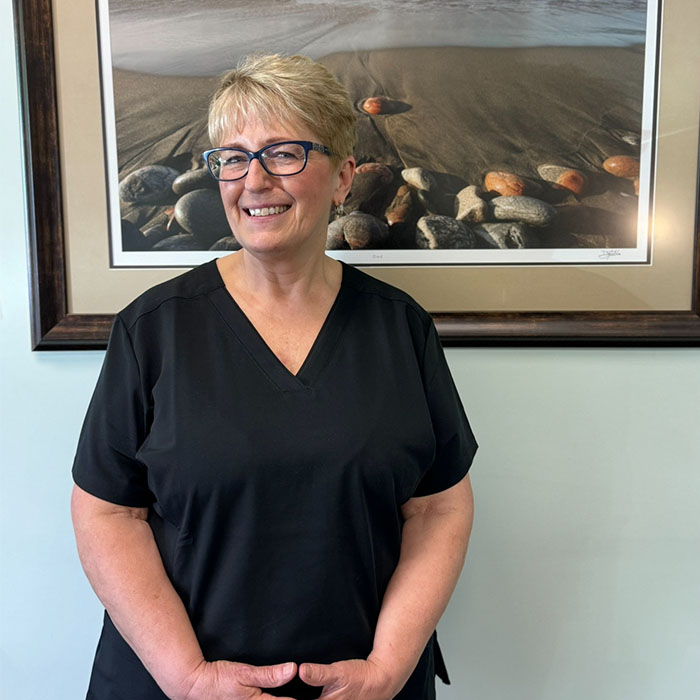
266	211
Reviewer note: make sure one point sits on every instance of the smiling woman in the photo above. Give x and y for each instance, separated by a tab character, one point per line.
271	492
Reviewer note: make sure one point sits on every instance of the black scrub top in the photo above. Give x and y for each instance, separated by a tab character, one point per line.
275	499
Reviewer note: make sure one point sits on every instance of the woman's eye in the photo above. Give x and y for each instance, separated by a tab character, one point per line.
284	155
234	160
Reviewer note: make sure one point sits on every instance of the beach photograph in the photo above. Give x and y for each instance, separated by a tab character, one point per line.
489	132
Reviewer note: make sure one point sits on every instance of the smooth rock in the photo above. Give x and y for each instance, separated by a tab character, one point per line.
507	235
362	230
505	184
372	189
470	206
182	241
563	177
148	185
379	104
526	209
194	180
622	166
440	232
382	172
335	240
226	243
201	213
420	178
402	207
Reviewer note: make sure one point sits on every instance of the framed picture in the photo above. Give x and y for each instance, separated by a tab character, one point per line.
601	297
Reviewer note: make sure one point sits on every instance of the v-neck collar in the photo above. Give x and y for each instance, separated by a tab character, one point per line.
319	354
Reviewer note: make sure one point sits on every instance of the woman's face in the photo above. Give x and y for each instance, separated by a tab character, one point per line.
301	203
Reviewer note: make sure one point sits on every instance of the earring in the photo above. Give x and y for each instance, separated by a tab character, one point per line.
339	210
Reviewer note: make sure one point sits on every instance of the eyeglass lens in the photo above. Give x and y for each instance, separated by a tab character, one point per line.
279	159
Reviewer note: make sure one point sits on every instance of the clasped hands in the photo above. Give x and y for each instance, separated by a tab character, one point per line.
354	679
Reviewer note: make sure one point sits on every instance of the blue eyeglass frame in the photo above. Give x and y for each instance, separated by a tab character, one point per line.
306	145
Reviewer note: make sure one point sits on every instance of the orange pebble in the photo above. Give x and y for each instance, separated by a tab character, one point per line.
572	180
374	105
622	166
506	184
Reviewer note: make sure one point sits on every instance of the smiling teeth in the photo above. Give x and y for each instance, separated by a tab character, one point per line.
266	211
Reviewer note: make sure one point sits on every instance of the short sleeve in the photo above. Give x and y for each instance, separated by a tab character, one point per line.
455	442
115	426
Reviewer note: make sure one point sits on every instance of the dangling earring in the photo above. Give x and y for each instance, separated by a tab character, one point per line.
339	210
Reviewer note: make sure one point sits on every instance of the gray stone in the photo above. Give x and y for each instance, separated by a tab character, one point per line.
420	178
194	180
357	230
335	240
526	209
439	232
202	214
372	189
470	206
226	243
148	185
183	241
507	235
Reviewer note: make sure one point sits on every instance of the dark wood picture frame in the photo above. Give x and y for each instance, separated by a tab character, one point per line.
55	328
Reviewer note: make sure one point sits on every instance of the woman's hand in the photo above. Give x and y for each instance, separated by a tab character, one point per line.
227	680
354	679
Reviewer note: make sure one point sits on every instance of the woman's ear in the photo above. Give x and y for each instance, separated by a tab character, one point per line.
346	172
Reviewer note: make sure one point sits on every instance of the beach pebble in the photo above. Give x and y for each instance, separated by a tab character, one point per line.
420	178
507	235
622	166
505	184
182	241
438	232
526	209
470	206
374	105
226	243
563	177
379	104
379	170
402	207
359	230
335	240
148	185
201	213
194	180
372	189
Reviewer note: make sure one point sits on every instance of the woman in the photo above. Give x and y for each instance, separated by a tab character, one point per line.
271	495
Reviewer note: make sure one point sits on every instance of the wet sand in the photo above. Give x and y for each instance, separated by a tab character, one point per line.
467	111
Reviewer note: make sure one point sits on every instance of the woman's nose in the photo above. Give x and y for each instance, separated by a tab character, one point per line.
257	177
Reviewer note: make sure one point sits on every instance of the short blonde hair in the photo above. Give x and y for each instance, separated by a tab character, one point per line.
291	89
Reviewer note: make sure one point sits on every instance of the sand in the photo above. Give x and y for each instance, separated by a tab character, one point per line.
469	110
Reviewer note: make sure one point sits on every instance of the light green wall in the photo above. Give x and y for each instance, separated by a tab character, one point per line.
583	578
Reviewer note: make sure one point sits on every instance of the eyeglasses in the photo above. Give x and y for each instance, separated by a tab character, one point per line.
279	159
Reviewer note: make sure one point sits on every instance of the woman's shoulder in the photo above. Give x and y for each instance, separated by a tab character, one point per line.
190	285
382	292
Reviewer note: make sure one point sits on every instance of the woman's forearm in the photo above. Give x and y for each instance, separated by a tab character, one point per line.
121	560
433	548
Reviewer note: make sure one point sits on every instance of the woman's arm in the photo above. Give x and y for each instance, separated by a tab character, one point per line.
121	560
433	547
